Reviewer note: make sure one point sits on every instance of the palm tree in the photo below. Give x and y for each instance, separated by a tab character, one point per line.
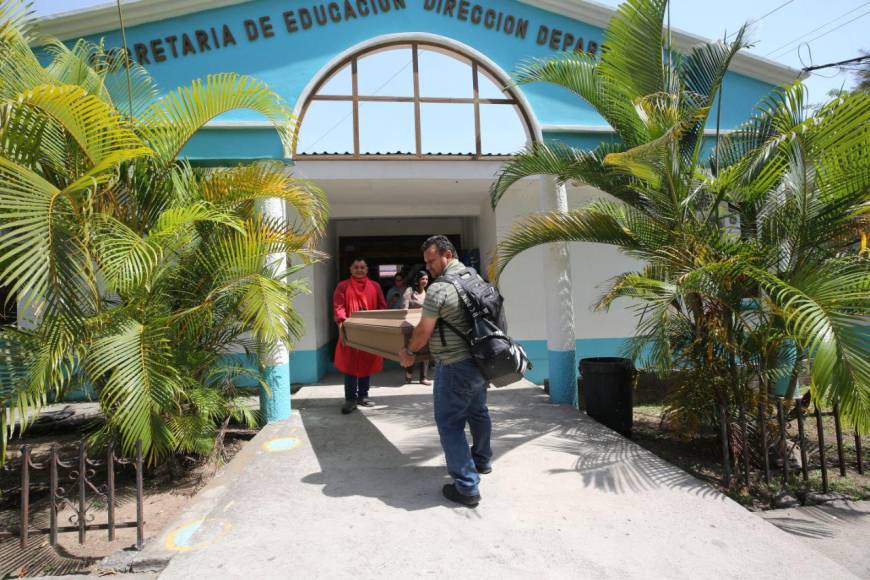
720	301
142	273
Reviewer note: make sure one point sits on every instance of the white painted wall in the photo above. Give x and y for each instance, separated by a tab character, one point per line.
486	234
323	284
393	226
592	266
520	282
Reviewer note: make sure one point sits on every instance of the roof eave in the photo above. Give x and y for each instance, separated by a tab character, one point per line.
97	19
597	14
89	21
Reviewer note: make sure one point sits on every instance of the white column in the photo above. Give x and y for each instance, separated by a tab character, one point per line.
559	300
275	404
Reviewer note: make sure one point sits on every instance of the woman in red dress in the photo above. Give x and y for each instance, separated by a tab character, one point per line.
356	293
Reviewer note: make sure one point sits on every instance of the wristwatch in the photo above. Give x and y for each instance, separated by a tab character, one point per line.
409	352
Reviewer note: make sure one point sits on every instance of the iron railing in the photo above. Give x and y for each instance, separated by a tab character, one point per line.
784	446
80	495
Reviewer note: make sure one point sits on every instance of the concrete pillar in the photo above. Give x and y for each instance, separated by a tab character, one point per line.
275	404
559	300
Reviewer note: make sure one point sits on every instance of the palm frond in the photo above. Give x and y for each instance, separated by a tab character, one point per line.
126	260
19	68
103	73
41	256
580	225
632	51
98	130
825	310
133	365
565	164
269	180
169	123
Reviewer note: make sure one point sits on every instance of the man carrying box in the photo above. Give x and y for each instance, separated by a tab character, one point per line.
460	388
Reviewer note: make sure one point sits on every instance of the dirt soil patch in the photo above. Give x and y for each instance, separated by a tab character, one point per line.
167	489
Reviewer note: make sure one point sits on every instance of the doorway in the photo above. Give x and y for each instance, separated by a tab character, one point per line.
385	255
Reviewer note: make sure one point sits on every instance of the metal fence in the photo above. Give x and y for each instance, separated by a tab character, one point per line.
71	485
772	440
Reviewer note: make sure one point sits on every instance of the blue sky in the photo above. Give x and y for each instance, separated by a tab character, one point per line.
786	35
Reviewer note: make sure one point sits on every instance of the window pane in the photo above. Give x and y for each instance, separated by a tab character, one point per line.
386	128
447	128
489	88
338	84
327	128
501	130
387	73
444	76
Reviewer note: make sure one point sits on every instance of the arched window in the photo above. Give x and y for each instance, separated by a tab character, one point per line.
411	100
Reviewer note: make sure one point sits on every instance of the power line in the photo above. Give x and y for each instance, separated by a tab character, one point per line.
828	23
127	59
849	61
763	16
838	27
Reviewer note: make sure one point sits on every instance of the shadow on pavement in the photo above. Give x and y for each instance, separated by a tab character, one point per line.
802	527
358	459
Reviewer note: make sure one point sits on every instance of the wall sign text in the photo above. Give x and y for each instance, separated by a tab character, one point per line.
314	16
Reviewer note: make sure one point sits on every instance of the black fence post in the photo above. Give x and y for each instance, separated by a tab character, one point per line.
140	522
726	455
745	453
110	488
821	432
858	453
803	442
52	497
25	496
82	485
838	430
783	441
762	426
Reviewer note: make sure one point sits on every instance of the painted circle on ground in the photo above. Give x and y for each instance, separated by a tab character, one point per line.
181	538
281	444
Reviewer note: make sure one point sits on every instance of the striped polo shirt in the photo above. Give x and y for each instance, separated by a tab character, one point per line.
442	301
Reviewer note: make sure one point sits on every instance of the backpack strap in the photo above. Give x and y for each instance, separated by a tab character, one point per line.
468	307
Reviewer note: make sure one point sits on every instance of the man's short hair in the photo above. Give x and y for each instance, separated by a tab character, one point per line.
399	275
441	243
359	259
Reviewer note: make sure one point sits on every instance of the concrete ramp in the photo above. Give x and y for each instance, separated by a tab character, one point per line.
326	495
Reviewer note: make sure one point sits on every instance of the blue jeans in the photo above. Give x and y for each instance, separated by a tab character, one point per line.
460	398
356	387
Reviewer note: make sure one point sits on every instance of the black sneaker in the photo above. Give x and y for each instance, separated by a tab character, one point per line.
365	402
483	470
450	492
348	407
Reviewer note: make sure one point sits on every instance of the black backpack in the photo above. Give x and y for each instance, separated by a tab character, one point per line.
496	355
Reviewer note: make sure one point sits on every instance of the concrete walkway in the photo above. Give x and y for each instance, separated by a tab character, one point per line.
331	496
839	529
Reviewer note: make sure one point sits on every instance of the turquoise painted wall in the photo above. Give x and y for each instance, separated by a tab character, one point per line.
287	61
593	140
306	366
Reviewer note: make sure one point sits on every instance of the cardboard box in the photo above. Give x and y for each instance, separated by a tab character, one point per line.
383	332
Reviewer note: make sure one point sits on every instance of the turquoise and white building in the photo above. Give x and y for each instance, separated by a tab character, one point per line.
404	123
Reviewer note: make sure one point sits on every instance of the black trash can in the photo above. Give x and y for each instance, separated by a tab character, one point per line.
607	385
